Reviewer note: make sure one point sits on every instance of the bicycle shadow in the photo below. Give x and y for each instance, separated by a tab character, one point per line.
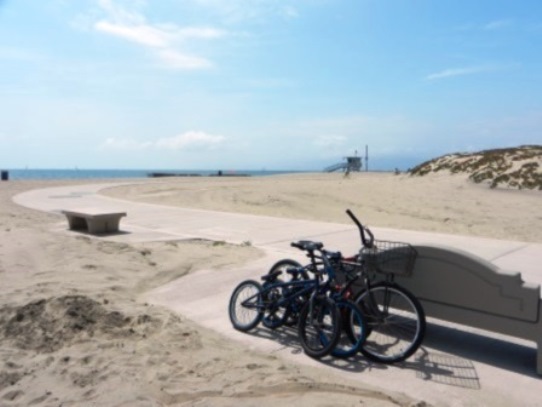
444	368
482	348
289	339
428	365
285	336
446	355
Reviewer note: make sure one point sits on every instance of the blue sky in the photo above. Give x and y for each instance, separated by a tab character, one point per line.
264	84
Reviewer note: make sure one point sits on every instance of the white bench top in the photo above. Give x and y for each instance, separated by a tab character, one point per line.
91	212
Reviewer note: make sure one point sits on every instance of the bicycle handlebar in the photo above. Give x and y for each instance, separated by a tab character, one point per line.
362	229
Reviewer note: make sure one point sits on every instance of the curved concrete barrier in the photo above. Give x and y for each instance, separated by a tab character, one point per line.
457	286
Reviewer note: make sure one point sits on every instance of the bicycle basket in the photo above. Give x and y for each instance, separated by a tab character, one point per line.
390	257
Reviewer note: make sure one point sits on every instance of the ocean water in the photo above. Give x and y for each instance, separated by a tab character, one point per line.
52	174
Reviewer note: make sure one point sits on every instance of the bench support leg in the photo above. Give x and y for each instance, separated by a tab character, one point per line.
76	223
108	225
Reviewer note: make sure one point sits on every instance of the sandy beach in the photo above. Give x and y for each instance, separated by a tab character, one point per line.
440	202
75	332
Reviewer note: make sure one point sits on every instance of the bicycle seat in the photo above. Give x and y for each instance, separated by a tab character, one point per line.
307	245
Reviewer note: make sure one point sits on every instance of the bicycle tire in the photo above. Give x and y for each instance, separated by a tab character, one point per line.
319	327
274	316
354	330
396	322
290	317
246	306
285	264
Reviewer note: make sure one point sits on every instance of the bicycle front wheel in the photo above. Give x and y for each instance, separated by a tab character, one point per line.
395	321
246	306
319	327
354	330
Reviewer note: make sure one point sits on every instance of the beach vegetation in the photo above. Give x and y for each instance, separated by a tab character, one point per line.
514	167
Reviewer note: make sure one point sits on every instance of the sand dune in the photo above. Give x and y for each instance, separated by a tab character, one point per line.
514	168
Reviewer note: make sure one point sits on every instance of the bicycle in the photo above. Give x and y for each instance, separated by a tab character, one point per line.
395	320
395	317
319	318
354	328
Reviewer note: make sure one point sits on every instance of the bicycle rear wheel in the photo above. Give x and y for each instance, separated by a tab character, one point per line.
286	315
319	327
246	306
274	316
354	330
395	320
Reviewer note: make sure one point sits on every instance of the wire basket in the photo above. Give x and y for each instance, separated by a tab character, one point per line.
390	258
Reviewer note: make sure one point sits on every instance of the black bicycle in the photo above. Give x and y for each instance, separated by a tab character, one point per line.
354	328
395	317
395	320
319	317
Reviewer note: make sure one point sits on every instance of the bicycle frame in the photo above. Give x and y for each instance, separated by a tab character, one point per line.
298	288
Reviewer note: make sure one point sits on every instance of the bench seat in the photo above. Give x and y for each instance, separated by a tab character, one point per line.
93	220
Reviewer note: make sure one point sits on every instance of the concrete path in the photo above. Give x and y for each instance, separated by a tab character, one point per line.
455	366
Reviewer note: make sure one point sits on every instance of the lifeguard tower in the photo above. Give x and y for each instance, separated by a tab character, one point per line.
351	164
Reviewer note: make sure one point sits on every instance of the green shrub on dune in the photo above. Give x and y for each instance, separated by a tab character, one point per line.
516	167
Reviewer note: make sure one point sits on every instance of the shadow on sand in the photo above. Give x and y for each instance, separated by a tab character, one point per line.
446	355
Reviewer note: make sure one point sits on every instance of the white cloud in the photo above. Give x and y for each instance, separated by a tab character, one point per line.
141	34
497	25
164	40
191	140
452	72
200	32
194	140
491	26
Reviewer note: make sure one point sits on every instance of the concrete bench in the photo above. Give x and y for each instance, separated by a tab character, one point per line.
95	221
457	286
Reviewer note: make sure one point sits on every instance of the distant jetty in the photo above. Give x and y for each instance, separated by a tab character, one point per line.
184	174
170	174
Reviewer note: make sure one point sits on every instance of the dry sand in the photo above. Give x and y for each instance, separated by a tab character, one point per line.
73	331
436	203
